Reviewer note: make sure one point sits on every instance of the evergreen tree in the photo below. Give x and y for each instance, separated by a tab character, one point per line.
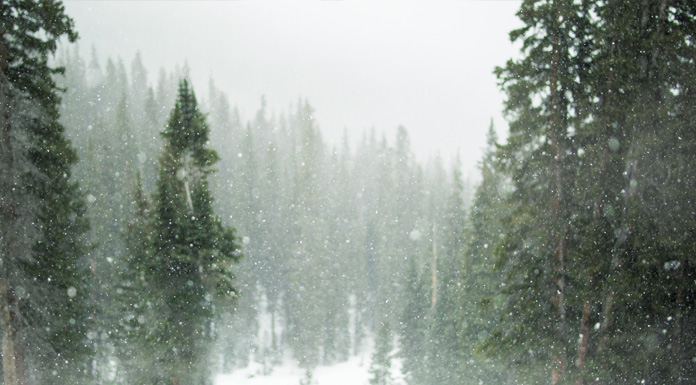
445	353
308	378
480	302
546	99
591	236
186	278
414	328
42	293
380	368
133	294
637	142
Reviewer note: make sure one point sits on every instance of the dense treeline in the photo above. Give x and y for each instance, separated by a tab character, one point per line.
597	245
571	262
326	238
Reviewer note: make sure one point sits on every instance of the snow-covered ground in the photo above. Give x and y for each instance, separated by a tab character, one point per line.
355	371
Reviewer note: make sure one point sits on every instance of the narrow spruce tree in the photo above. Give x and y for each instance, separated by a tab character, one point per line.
186	278
545	100
446	353
380	368
480	303
414	328
42	275
133	294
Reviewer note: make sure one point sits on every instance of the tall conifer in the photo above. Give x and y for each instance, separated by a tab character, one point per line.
42	295
186	279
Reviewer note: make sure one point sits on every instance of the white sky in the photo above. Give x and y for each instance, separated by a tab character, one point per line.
427	65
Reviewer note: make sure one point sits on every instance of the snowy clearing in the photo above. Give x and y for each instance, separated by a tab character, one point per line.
355	371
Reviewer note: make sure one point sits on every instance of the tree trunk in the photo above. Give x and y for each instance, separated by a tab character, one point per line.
434	299
12	352
559	204
584	339
677	354
273	332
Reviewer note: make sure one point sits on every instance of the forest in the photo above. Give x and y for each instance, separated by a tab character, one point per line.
153	235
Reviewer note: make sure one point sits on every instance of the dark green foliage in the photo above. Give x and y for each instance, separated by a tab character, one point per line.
43	292
278	215
133	294
589	244
180	258
585	212
114	139
575	264
641	120
480	301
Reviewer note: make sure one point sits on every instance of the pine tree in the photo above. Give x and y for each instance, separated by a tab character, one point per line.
308	378
42	292
414	328
480	301
133	294
637	141
380	368
445	352
186	278
546	100
304	306
598	170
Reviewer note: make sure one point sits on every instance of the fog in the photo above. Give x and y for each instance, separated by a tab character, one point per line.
178	204
361	64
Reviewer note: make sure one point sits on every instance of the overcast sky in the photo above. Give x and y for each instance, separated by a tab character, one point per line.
426	65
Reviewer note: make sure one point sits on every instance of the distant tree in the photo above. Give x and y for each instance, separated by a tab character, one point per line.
414	322
380	368
445	350
480	302
306	304
308	378
42	276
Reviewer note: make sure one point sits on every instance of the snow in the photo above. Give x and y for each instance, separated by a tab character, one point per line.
355	371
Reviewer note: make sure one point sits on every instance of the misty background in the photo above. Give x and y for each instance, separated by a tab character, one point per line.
425	65
268	193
